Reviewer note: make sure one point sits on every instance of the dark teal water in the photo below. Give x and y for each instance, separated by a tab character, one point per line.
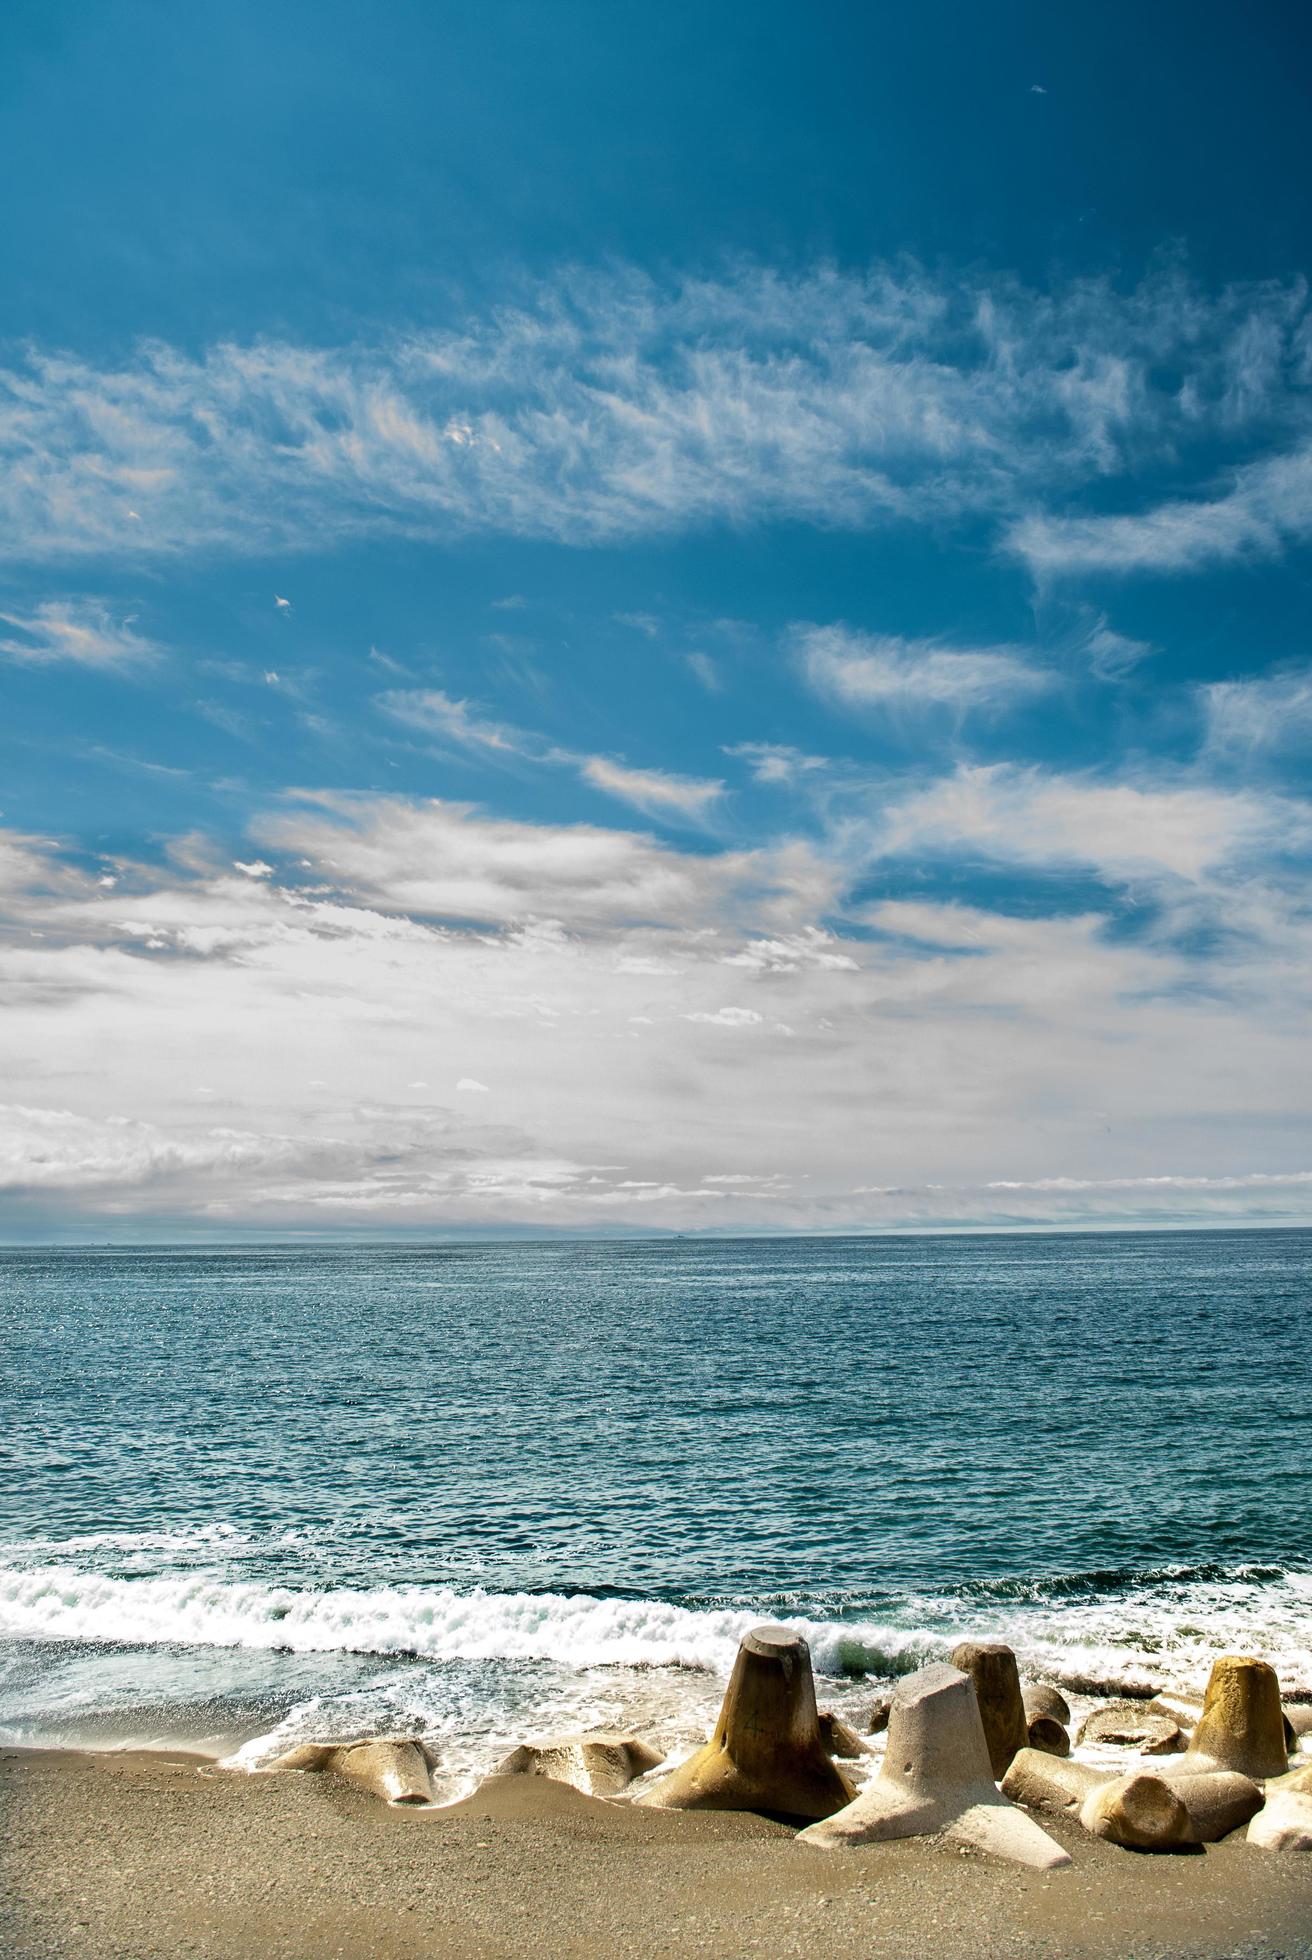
451	1482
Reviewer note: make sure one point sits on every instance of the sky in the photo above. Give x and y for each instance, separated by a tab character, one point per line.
619	619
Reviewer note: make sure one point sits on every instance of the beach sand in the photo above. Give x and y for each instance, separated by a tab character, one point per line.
141	1855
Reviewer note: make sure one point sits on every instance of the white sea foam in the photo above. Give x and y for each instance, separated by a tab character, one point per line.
1154	1635
435	1623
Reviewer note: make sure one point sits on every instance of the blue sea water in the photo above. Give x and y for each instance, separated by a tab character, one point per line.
262	1492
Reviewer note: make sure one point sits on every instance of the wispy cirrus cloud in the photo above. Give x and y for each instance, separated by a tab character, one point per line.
888	673
1267	505
84	630
612	405
1269	714
656	792
434	712
778	762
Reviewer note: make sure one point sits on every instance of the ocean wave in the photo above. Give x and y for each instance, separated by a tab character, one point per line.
1156	1632
432	1623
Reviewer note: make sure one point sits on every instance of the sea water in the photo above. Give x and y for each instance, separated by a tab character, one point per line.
260	1493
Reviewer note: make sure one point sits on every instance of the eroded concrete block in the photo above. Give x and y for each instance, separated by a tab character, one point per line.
767	1752
1242	1726
936	1779
601	1762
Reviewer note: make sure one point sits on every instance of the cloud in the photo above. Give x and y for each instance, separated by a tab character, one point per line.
654	790
450	861
83	630
1112	655
811	947
62	1150
885	672
1123	829
777	762
706	671
467	1085
435	713
611	405
946	1064
1268	505
1171	1181
1271	713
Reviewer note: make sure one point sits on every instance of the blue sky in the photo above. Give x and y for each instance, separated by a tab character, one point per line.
650	619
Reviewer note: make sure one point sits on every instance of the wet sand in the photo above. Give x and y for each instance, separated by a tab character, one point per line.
143	1855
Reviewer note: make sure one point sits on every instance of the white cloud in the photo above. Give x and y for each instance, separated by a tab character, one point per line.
468	1085
811	947
611	405
1272	712
87	631
1111	654
1126	830
1268	504
653	790
947	1064
777	762
1170	1181
884	671
435	713
656	792
449	861
60	1150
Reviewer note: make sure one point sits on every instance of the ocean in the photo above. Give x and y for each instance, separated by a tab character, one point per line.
261	1493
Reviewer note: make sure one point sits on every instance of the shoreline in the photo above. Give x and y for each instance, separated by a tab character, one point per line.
134	1854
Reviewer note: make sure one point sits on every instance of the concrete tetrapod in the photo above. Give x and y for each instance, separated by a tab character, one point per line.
767	1752
936	1780
600	1763
1182	1709
1141	1811
1284	1825
392	1767
841	1739
1041	1698
1298	1780
1047	1783
992	1668
1129	1725
1218	1800
1047	1713
1242	1726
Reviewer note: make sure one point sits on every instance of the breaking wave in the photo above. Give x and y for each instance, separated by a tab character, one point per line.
1106	1633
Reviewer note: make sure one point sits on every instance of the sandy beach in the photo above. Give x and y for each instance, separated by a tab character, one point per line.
140	1855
